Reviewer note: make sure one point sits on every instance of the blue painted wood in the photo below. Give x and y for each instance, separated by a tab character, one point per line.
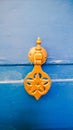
19	111
22	21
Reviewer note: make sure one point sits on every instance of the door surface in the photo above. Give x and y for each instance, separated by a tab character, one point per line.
21	22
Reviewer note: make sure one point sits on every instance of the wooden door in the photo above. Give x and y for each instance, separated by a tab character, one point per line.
21	22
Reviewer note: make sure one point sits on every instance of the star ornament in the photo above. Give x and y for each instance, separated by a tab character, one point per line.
38	85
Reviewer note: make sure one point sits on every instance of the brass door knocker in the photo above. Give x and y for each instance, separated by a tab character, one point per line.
37	82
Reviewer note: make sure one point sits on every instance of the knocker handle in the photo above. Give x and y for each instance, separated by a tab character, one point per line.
37	82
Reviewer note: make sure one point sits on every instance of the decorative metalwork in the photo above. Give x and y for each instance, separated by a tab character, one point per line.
37	82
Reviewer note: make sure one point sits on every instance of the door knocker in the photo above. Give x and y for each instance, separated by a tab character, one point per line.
37	82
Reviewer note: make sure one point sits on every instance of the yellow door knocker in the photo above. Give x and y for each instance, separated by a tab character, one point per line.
37	82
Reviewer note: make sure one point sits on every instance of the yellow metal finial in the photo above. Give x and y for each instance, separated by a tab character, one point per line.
38	41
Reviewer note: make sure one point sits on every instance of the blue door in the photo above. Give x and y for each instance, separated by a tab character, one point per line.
21	22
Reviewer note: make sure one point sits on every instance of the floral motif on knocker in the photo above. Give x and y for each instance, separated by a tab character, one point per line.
37	85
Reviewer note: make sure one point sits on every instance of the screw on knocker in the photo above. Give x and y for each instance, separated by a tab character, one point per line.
37	83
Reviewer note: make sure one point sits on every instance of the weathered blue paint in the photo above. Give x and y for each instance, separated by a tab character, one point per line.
19	72
19	111
22	21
